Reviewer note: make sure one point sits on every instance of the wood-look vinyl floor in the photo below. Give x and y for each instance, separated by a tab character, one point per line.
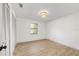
44	48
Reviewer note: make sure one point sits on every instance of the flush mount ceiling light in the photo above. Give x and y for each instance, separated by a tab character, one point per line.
43	13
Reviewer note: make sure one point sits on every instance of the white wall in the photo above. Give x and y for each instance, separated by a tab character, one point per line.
65	30
23	30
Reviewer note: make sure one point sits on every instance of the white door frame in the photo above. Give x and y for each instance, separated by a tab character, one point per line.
7	20
2	53
7	13
6	23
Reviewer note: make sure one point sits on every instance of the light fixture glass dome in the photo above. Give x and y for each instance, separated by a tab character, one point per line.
43	13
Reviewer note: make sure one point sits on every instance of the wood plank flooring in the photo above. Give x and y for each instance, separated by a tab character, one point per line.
44	48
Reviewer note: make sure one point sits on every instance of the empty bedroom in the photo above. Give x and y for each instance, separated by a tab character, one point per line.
42	29
47	29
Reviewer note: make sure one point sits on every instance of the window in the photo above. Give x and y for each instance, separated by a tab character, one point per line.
34	28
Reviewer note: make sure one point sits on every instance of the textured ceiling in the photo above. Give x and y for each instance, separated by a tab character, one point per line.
56	10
